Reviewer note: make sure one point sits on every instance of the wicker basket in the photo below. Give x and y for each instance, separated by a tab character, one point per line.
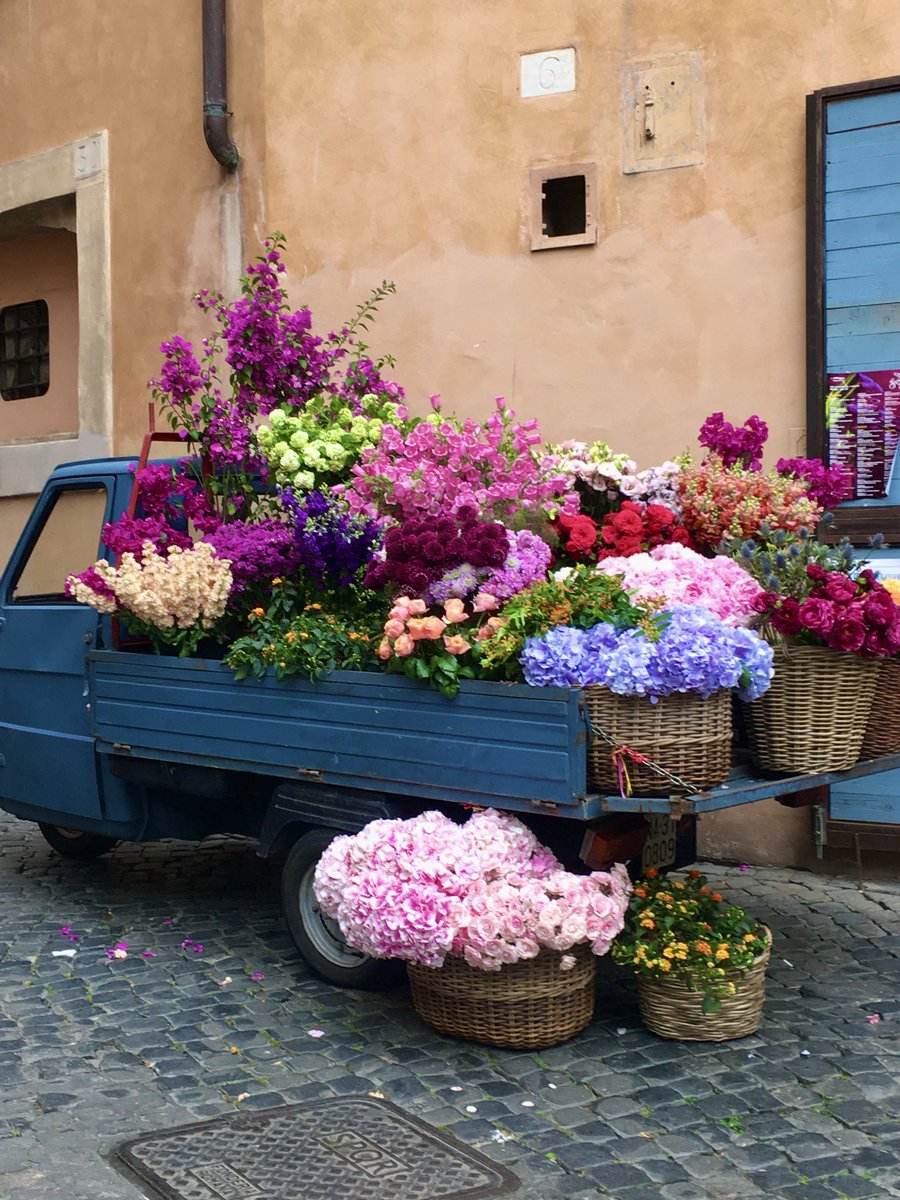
686	735
882	734
814	715
526	1005
671	1010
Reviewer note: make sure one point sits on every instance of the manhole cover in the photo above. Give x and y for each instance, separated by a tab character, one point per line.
353	1148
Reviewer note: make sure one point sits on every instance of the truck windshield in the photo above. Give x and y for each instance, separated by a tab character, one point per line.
67	542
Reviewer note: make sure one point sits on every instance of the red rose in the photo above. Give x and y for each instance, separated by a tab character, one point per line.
786	619
764	602
840	588
880	608
658	516
879	644
847	634
628	546
817	616
582	535
627	522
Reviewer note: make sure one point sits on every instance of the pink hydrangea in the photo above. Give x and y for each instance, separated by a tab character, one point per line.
486	891
677	575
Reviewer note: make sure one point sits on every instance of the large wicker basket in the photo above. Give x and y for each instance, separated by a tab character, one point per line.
525	1005
689	737
671	1010
814	715
882	734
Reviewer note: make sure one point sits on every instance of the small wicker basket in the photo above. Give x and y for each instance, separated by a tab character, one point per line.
814	715
670	1009
689	737
526	1005
882	734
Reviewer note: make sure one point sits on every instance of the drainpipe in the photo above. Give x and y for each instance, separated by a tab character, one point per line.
215	106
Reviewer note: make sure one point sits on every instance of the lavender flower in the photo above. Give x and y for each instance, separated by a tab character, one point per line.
258	553
527	561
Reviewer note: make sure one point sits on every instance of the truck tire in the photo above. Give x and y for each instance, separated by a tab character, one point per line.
76	843
316	936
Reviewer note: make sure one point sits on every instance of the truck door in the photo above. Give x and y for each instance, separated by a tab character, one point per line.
47	761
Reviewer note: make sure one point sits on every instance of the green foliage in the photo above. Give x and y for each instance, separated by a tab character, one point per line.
777	559
681	929
582	598
309	644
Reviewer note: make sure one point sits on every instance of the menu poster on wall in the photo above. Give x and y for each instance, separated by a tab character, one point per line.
862	417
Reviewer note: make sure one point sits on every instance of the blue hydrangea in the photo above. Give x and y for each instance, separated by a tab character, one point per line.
696	653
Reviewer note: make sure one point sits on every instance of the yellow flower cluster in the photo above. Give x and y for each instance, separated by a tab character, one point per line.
187	587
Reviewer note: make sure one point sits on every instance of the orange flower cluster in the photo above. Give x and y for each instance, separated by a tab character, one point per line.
719	502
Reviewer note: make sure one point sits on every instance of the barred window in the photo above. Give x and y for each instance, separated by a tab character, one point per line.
24	350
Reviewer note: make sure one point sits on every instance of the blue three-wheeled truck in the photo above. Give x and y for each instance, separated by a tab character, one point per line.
100	744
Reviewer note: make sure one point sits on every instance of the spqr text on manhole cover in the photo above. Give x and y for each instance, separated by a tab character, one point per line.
346	1148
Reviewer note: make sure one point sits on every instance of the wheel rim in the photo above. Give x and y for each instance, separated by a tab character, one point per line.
69	833
324	933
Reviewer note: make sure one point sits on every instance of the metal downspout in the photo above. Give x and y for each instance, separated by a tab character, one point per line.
215	104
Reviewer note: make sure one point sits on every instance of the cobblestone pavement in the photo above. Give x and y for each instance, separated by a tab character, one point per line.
94	1050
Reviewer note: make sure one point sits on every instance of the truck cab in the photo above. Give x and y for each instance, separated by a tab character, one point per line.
48	765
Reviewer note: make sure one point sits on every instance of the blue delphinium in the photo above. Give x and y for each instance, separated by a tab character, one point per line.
696	652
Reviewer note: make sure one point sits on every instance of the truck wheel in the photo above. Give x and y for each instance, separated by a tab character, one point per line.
76	843
316	936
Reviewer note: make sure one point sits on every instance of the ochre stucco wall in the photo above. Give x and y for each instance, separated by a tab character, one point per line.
41	266
389	142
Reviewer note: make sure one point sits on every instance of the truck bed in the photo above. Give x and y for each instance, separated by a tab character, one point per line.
500	745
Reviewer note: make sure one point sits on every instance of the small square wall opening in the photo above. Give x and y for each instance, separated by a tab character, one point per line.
562	208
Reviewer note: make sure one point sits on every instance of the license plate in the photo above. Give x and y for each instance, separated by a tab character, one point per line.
660	847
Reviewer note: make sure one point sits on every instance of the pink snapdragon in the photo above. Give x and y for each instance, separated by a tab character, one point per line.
443	464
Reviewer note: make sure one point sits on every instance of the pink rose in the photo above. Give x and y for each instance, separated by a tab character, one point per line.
404	646
418	608
416	627
394	628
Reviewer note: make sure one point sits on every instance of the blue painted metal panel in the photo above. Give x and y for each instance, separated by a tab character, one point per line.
874	288
495	744
879	229
866	318
843	176
861	145
861	111
876	798
862	351
862	233
864	202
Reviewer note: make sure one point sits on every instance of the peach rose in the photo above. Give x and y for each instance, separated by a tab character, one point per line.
456	644
433	627
455	611
404	646
384	650
418	608
394	627
484	602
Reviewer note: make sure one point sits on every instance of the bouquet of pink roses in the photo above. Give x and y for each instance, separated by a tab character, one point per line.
486	891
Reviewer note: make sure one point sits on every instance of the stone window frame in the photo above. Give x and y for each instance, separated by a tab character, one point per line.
64	171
